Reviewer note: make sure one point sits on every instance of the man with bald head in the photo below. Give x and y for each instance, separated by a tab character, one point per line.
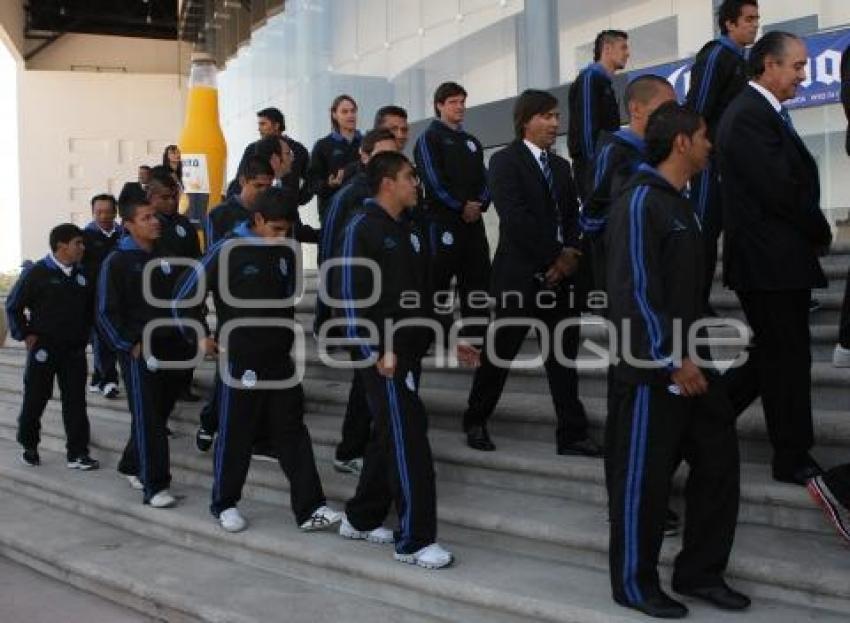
775	231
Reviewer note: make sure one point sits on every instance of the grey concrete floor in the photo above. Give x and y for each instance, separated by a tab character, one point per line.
30	597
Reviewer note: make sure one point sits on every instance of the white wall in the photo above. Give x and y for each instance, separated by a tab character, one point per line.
85	133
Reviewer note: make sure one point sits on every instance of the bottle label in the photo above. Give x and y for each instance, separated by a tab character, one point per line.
196	178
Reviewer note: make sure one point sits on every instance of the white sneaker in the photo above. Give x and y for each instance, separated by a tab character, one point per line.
163	499
841	357
431	557
135	483
231	520
94	389
110	390
379	535
321	519
352	466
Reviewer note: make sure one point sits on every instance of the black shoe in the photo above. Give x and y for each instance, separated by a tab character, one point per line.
660	606
720	596
203	439
83	463
585	447
814	305
478	438
671	523
169	432
187	396
30	457
799	475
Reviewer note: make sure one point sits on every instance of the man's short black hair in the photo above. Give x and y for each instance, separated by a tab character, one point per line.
644	88
388	111
145	167
373	137
730	11
277	204
387	164
529	103
606	36
669	120
772	44
274	115
255	167
266	147
164	176
127	209
444	92
104	197
64	232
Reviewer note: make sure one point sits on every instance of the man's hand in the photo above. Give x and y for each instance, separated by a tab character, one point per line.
468	355
386	365
471	211
690	379
30	340
209	346
136	351
335	179
564	265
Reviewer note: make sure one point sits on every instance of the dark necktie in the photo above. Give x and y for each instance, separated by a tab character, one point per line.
786	117
550	182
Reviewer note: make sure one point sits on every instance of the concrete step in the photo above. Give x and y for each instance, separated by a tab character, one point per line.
550	528
506	585
164	580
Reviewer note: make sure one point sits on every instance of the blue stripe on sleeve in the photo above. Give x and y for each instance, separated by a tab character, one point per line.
15	329
705	83
434	182
110	332
350	310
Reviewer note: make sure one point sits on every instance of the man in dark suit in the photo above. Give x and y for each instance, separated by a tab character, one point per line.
537	257
774	232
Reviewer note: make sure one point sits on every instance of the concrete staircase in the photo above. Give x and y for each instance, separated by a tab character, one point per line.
528	527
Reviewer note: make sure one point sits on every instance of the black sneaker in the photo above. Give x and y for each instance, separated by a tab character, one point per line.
30	457
83	463
203	439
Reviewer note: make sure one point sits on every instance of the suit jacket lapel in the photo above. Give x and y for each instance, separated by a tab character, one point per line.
527	157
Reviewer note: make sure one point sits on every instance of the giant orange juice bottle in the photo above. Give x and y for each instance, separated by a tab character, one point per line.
202	146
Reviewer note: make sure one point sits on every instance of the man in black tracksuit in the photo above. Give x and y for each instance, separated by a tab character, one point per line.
270	122
258	384
661	405
357	423
719	73
450	162
592	104
257	175
178	239
398	467
618	155
123	311
57	293
100	237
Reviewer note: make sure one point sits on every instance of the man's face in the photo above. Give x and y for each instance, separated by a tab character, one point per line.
287	158
698	148
163	198
453	109
404	187
271	229
346	116
144	175
784	74
399	127
639	112
744	30
144	225
617	52
542	128
71	252
267	127
253	187
104	213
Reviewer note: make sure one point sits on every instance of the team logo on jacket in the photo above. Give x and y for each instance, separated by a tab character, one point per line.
181	231
284	267
81	279
249	378
390	243
414	240
152	363
249	270
472	146
165	267
41	355
448	238
410	381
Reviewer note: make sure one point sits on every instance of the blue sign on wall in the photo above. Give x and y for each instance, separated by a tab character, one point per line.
822	86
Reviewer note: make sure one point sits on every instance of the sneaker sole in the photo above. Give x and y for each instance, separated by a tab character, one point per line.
365	536
28	464
326	526
823	500
411	559
170	504
82	468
